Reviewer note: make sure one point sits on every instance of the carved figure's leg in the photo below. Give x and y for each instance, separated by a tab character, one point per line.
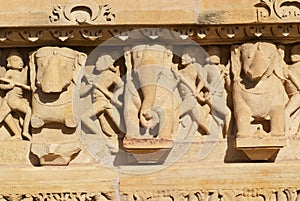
291	107
277	120
18	104
88	122
13	126
5	110
243	121
227	126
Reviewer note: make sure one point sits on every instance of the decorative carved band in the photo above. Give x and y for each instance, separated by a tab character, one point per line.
250	194
204	35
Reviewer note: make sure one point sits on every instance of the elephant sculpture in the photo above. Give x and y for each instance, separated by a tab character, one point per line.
258	93
151	108
55	76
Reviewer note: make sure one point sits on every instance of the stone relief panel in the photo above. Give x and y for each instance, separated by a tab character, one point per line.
142	100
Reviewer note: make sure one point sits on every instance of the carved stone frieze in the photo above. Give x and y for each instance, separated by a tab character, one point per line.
64	196
247	194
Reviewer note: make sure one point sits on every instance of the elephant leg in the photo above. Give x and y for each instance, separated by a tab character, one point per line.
243	122
199	115
70	120
277	120
37	121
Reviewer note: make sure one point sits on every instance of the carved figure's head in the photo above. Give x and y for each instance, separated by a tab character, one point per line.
213	55
104	62
53	69
295	53
14	60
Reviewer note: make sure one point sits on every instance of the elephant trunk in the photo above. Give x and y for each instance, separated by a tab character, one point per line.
148	77
147	116
258	67
53	79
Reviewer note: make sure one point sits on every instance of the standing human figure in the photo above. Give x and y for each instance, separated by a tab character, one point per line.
14	82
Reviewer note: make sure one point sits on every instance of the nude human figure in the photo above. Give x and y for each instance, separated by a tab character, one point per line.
14	82
292	84
102	96
217	76
190	85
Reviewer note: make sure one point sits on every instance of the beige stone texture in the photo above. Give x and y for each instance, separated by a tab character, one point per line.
156	100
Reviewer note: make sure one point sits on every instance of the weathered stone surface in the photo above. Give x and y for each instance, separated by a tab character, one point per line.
149	100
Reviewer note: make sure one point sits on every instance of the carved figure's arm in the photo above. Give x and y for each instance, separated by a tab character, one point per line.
294	79
7	85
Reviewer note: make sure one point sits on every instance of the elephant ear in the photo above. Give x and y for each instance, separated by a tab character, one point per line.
235	61
32	68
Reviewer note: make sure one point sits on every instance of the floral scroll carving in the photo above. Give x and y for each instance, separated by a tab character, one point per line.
82	13
278	9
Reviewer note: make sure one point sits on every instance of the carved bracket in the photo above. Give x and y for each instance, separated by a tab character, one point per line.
32	36
91	34
62	35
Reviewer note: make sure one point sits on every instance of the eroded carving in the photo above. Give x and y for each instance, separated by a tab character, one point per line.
217	76
54	77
